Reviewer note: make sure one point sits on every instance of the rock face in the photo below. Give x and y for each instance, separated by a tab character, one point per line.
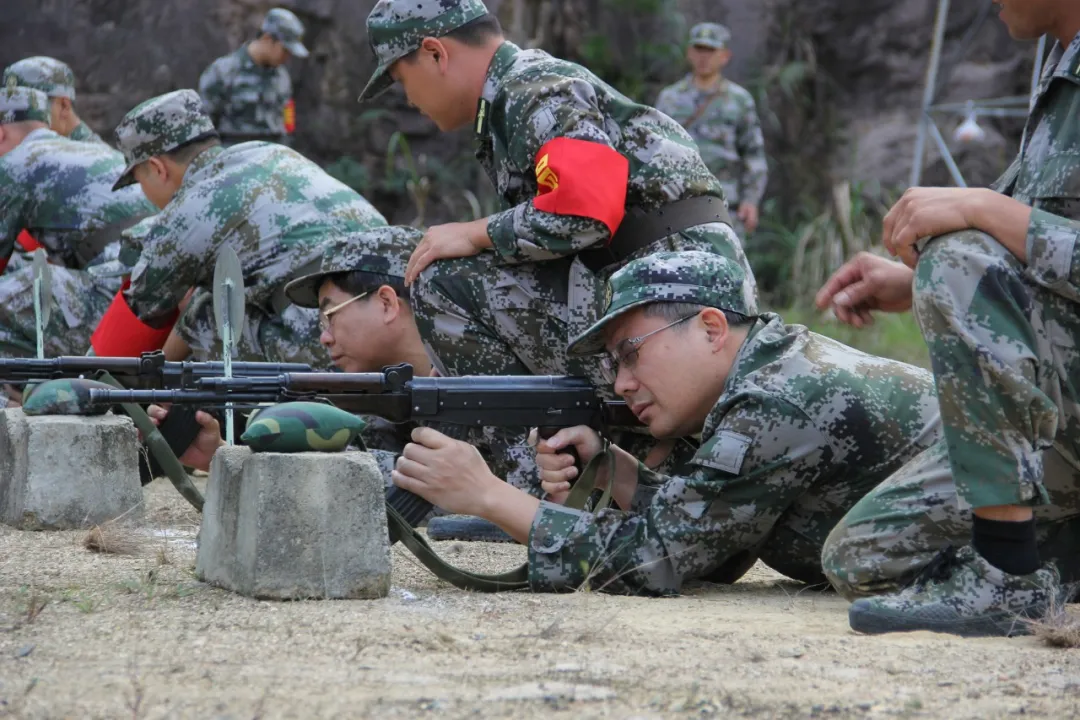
873	54
63	473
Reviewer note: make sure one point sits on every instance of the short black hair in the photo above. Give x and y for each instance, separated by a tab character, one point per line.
474	33
672	311
357	282
185	153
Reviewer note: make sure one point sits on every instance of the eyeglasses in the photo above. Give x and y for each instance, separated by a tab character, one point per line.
324	315
625	353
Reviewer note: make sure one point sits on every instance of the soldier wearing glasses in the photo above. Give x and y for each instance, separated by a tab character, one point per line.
795	428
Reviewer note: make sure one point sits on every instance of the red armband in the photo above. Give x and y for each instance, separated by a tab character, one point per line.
27	241
122	334
290	116
587	179
3	264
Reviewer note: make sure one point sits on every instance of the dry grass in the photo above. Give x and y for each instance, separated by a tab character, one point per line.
1060	629
116	540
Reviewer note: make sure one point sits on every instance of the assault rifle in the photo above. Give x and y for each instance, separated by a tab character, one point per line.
148	371
547	402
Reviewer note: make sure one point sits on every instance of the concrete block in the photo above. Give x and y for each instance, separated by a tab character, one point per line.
291	526
61	473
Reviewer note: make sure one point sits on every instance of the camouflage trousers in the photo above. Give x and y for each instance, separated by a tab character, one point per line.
1005	352
1006	360
897	529
292	336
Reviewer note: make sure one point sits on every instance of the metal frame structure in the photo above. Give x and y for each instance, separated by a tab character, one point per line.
1016	106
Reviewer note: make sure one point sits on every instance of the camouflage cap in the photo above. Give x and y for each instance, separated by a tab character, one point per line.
21	104
397	27
383	250
287	28
157	126
676	277
711	35
46	74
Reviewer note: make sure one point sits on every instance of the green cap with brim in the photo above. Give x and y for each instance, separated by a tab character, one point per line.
673	277
46	74
384	250
711	35
158	126
23	104
397	27
287	29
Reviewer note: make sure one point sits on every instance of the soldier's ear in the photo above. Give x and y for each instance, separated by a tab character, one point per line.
715	324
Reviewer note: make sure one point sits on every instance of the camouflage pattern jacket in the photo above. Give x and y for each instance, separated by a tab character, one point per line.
724	124
804	428
272	205
83	133
244	98
61	191
533	98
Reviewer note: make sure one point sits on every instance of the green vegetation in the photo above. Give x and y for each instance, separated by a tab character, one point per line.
893	336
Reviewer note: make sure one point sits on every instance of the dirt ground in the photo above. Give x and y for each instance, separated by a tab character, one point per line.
85	635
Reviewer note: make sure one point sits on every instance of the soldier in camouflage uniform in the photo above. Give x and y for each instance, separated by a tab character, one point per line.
275	208
367	324
248	93
996	297
60	190
571	158
56	80
795	428
722	119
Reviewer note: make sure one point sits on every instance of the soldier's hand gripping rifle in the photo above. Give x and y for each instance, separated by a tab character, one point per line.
545	402
148	371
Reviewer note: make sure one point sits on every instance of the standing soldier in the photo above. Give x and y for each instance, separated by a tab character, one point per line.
56	80
59	190
248	93
273	206
722	119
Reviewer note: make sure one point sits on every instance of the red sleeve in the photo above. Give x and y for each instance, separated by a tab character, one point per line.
27	241
587	179
122	334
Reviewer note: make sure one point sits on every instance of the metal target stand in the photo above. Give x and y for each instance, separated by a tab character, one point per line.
1016	106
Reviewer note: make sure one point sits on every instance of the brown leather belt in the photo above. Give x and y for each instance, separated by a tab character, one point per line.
640	229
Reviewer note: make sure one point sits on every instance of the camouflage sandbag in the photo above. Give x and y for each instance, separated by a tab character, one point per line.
66	396
301	427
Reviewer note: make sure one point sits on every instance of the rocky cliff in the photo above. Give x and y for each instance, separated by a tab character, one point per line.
867	59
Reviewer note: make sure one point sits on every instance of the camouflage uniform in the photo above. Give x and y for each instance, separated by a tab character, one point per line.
513	310
273	206
385	251
59	189
248	101
53	78
1003	339
724	124
804	427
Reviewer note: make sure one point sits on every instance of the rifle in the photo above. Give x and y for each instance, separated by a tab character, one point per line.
148	371
546	402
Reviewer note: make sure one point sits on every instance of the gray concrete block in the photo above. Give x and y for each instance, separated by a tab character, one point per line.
61	473
292	526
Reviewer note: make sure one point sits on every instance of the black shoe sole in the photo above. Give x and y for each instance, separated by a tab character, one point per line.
1001	625
466	529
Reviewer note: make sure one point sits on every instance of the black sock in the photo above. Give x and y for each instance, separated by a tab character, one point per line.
1008	546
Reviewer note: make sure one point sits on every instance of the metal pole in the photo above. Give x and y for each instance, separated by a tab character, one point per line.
945	154
928	91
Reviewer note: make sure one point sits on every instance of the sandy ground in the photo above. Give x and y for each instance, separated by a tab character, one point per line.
86	635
